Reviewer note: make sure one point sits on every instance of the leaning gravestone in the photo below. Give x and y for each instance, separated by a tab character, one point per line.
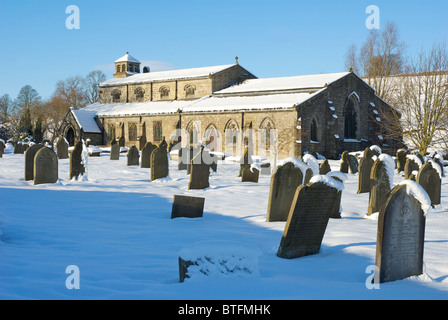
187	207
146	155
76	163
401	234
284	183
200	172
133	156
308	219
344	162
29	160
62	148
159	164
115	152
250	174
364	170
353	164
45	166
430	179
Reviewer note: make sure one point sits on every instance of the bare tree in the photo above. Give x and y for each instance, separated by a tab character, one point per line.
92	89
6	106
381	56
73	90
421	97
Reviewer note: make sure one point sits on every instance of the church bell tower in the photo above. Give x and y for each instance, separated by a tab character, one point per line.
126	66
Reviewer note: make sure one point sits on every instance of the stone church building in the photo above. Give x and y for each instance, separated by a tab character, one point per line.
227	107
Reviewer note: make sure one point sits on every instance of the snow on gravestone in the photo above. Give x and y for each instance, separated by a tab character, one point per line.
62	148
250	174
413	163
29	160
381	178
222	259
401	233
289	175
45	166
430	178
337	209
308	217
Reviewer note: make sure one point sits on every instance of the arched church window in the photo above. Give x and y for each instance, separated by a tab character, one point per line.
116	95
164	92
350	120
313	131
189	90
139	94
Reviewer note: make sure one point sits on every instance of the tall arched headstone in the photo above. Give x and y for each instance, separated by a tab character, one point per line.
380	186
429	178
29	160
45	166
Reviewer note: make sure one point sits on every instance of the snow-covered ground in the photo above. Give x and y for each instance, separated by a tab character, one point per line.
116	228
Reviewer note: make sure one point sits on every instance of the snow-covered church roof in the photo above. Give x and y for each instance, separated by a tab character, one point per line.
86	120
166	75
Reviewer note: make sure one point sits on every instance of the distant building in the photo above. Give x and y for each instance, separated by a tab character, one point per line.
227	107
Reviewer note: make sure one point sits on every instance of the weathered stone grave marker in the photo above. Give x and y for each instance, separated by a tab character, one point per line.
45	166
431	181
250	174
115	151
77	167
187	207
146	155
380	184
62	148
364	170
29	160
133	156
200	171
159	163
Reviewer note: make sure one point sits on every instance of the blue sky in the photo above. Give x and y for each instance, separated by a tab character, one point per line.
271	38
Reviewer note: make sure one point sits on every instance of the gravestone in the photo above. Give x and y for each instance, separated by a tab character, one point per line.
121	142
430	180
19	148
410	166
76	163
307	220
200	172
159	164
401	235
246	160
133	156
141	142
380	186
29	160
115	151
308	176
250	174
45	166
353	164
187	207
324	167
401	160
364	171
265	169
146	155
344	162
2	148
62	148
193	151
438	162
284	183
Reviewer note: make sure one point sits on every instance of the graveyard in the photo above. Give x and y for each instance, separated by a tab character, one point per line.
118	225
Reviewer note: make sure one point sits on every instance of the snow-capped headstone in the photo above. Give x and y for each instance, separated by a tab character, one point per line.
340	177
133	156
380	186
76	162
344	162
250	174
146	155
430	179
284	183
115	151
401	234
29	160
200	172
308	218
45	166
187	207
159	163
